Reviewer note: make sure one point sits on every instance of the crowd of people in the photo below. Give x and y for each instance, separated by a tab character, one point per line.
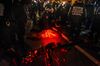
80	16
14	15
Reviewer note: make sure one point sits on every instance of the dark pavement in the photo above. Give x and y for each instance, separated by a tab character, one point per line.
65	56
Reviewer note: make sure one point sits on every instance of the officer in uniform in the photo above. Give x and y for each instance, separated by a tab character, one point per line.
8	8
56	13
7	34
1	23
64	12
76	17
34	10
6	29
96	23
20	19
1	18
49	8
90	14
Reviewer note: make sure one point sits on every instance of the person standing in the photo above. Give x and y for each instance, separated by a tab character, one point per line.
20	18
96	23
76	17
90	14
64	12
1	17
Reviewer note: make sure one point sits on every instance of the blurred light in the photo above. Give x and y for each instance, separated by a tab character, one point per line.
63	3
66	38
50	36
35	52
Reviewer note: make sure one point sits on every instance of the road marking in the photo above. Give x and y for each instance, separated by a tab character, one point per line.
87	55
66	38
63	36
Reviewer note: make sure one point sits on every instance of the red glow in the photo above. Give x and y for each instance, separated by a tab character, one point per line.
49	36
64	50
35	52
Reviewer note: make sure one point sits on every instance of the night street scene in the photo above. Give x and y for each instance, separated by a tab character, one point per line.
49	32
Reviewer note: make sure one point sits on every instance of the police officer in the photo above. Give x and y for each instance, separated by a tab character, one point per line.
57	12
76	17
49	9
7	24
34	10
96	23
6	29
1	16
8	8
90	14
64	12
20	19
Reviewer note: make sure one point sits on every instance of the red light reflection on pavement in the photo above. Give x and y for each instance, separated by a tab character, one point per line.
49	36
